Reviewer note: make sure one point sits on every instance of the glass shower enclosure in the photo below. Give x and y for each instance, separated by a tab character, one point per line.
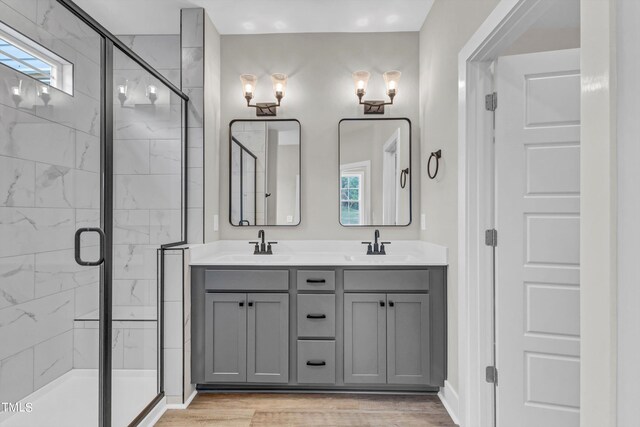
92	190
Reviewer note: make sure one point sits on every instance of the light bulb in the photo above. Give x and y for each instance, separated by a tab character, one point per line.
392	85
360	84
248	88
152	89
279	87
15	90
122	89
45	90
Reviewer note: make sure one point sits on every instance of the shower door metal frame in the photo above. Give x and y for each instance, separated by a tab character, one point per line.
108	44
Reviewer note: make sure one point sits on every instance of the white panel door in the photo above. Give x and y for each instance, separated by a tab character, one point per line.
538	221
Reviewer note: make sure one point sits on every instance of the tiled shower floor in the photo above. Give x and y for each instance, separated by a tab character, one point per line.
72	400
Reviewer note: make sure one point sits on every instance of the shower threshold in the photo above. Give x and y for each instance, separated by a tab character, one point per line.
72	400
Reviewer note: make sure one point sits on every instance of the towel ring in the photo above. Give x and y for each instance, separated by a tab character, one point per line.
403	177
437	155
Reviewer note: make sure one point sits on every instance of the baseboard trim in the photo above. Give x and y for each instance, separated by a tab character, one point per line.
449	398
184	405
156	413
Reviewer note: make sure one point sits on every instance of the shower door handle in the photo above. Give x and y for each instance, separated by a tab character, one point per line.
79	232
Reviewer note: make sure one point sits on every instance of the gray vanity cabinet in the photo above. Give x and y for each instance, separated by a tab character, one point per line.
247	337
360	328
386	338
268	338
408	339
365	338
225	337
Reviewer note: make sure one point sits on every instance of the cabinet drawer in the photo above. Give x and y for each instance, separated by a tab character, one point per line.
247	280
386	280
316	315
316	362
316	280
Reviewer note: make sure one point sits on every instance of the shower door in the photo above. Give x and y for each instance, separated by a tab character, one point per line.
92	188
52	124
148	199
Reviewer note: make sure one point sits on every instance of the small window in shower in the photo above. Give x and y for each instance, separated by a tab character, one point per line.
34	60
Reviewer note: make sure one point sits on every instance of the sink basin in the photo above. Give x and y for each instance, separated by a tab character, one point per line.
257	259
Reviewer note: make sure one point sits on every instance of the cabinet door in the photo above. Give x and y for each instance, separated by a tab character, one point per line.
268	338
225	337
365	338
408	339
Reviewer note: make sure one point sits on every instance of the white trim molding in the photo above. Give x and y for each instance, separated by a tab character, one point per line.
449	398
156	413
508	21
598	256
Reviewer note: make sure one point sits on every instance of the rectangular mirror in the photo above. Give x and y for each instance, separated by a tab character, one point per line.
264	172
375	180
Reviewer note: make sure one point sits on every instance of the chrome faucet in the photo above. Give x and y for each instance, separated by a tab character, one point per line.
377	248
262	248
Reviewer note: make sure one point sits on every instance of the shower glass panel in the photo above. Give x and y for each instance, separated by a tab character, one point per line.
147	200
243	184
50	186
92	188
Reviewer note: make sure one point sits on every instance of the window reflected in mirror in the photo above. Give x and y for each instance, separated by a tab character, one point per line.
265	172
375	184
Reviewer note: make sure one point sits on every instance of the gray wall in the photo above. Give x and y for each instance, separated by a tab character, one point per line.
212	113
440	42
320	92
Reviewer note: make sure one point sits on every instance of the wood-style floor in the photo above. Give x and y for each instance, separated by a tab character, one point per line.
243	409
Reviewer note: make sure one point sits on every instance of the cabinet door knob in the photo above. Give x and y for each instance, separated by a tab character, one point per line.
250	304
381	303
241	303
391	304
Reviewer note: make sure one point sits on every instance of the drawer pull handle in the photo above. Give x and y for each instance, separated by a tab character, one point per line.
316	316
316	281
316	363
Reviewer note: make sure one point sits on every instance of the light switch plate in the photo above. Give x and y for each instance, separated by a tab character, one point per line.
216	223
423	222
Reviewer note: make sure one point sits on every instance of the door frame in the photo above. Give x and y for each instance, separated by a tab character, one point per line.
508	21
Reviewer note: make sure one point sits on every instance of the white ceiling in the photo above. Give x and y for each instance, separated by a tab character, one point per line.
262	16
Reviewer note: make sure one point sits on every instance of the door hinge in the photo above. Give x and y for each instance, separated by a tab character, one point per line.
491	375
491	101
491	237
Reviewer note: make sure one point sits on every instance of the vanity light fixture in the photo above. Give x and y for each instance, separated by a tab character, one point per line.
152	94
361	80
16	94
249	82
43	93
122	93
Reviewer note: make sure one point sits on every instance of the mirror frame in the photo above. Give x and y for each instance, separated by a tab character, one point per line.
299	163
410	170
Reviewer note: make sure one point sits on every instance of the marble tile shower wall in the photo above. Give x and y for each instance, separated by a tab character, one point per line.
147	169
147	192
49	186
192	49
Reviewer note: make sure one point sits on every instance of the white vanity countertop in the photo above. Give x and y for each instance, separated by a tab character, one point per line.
320	253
